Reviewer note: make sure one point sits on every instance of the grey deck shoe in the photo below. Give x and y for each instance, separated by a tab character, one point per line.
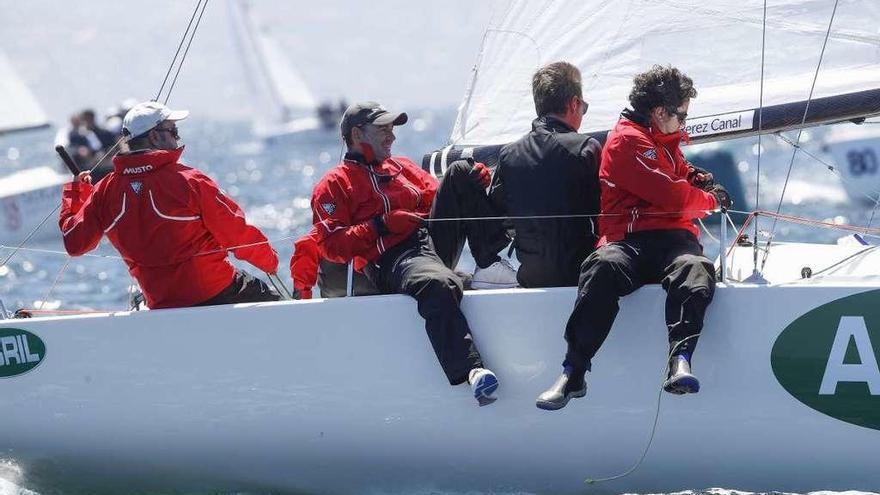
680	380
565	388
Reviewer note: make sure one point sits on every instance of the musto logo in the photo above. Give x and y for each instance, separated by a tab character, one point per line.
20	352
827	359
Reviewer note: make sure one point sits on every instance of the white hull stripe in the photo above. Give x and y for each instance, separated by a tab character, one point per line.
118	217
162	215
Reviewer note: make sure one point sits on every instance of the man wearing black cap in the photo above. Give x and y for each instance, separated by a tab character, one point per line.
370	209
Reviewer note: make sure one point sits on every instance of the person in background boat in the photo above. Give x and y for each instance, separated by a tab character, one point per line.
371	209
650	197
106	138
78	141
171	223
552	170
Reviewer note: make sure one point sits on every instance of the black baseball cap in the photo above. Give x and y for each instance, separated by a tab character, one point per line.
369	112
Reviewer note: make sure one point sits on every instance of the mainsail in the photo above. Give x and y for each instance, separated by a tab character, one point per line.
286	94
20	109
718	44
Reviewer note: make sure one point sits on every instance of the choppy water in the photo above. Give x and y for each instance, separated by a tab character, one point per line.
273	184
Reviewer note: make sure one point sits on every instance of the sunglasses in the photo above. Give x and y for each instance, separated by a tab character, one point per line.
682	116
172	130
584	106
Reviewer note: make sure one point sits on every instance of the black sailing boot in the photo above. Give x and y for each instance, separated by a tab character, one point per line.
680	380
570	384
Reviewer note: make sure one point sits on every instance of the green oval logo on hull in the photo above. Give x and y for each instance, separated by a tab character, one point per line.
20	352
828	358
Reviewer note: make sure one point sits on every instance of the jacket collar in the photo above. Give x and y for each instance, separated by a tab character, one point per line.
644	122
552	122
144	161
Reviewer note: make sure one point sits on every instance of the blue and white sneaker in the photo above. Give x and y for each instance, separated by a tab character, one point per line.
484	383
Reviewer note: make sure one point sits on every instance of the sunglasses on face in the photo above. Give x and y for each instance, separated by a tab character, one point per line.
172	130
584	106
682	116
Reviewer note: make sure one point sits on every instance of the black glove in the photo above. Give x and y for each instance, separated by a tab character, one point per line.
722	197
700	177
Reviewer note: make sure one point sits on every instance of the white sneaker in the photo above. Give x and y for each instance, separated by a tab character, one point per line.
498	275
484	384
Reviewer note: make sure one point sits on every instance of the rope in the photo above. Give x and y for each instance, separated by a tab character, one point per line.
760	136
57	279
179	46
834	170
800	132
591	481
185	52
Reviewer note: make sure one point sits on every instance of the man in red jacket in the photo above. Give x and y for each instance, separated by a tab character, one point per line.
650	196
370	209
171	223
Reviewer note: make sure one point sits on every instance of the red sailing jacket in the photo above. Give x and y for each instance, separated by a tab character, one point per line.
643	181
349	196
162	216
304	263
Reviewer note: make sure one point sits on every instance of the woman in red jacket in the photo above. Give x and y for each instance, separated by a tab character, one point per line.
650	196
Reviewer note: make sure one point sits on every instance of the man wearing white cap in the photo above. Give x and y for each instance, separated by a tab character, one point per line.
171	223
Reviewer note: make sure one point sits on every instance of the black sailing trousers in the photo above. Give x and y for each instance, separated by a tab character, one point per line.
458	196
673	258
413	268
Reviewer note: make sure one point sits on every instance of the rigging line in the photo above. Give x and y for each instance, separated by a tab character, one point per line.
179	46
55	283
185	52
800	130
833	169
760	135
53	251
638	463
844	260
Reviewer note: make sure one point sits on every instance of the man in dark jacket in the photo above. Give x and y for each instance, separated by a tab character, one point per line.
650	197
552	171
370	209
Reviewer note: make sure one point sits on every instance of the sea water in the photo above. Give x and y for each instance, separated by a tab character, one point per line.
272	182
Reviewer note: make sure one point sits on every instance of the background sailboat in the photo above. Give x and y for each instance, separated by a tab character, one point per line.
286	106
27	196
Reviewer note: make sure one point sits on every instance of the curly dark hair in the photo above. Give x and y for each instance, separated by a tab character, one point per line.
553	86
660	86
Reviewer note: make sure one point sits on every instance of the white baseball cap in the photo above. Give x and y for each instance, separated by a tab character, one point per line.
147	115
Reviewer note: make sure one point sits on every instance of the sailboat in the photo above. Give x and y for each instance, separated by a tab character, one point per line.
344	395
26	196
855	151
288	108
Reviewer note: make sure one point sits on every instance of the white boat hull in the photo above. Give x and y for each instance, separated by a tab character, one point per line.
346	396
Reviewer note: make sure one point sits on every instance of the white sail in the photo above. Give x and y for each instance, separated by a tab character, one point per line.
19	109
273	78
718	44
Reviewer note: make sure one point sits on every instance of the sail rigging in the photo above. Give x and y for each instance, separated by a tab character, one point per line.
20	109
612	41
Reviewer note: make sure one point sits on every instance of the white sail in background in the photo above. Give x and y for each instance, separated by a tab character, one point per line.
272	77
19	109
717	43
